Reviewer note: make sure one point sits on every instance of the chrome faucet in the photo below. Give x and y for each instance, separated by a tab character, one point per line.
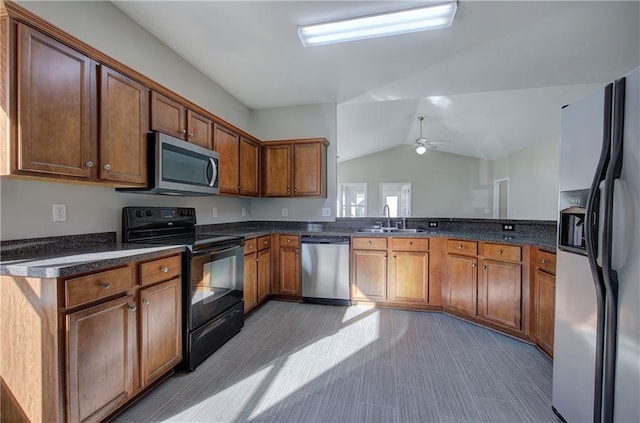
388	214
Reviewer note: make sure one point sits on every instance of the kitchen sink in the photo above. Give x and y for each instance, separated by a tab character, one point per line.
391	229
409	231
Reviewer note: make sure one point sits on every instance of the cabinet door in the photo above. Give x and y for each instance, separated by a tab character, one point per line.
249	161
55	94
100	359
199	130
290	271
160	329
225	142
264	275
167	116
308	170
545	300
501	296
250	281
277	172
462	292
124	111
408	277
369	275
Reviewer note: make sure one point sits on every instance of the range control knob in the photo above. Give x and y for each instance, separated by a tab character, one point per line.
139	213
149	213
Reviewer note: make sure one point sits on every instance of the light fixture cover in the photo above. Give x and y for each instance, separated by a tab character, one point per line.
421	149
400	22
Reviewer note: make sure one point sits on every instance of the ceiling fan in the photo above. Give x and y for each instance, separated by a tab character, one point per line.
422	144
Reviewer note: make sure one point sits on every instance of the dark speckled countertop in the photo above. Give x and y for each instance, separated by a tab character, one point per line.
71	255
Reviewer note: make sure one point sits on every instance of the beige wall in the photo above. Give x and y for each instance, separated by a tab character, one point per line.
444	185
26	206
533	175
311	121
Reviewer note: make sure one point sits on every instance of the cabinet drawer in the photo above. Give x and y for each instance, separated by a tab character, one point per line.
469	248
502	252
92	287
160	270
264	242
546	261
250	245
369	243
289	241
410	244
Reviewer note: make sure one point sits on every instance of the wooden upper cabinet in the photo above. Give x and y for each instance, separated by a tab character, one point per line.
310	170
55	90
172	118
124	125
295	168
168	116
249	152
276	180
199	130
225	142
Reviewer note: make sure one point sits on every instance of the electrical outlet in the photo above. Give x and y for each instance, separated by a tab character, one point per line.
214	212
59	212
285	212
244	212
433	224
508	227
326	211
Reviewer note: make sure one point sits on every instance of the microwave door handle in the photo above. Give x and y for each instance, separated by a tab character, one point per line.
211	175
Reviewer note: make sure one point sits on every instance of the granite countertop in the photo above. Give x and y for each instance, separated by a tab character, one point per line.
86	259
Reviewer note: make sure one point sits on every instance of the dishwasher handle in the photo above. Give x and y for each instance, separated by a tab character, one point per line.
324	239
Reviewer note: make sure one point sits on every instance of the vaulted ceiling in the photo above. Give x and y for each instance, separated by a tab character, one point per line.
492	84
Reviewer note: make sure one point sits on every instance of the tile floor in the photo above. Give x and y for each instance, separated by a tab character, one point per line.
312	363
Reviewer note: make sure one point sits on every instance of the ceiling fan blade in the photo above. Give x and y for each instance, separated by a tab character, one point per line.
438	141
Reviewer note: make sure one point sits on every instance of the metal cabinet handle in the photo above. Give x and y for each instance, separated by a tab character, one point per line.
190	134
459	247
107	166
164	269
499	252
183	131
474	265
89	164
410	242
369	242
146	302
484	267
544	261
289	240
105	285
288	190
295	190
132	307
265	242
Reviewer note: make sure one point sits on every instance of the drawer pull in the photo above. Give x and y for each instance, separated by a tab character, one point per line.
164	269
474	265
369	242
499	252
132	307
289	241
544	261
410	242
105	285
265	242
146	302
484	267
459	247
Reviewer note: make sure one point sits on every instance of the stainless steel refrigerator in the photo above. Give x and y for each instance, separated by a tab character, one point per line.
596	364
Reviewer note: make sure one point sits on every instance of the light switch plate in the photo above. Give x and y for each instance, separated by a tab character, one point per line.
214	212
285	212
326	211
244	212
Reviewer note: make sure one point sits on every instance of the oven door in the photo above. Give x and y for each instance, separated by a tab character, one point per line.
217	281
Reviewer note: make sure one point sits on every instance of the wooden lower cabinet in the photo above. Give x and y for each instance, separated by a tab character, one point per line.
501	293
462	292
409	277
290	272
257	271
100	353
369	275
160	329
87	355
545	298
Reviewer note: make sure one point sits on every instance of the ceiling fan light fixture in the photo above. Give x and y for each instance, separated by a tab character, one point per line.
382	25
421	149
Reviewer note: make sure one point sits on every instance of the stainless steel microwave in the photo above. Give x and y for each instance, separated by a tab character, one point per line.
177	167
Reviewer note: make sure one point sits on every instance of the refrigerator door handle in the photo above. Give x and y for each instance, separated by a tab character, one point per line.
614	171
591	243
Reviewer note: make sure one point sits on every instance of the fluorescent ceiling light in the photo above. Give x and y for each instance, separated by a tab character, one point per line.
382	25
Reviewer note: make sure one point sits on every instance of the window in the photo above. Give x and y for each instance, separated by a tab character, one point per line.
396	195
501	198
352	199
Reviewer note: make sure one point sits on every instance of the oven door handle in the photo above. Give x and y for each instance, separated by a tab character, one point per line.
214	251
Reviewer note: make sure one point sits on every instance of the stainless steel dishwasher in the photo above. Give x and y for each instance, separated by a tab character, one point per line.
325	269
